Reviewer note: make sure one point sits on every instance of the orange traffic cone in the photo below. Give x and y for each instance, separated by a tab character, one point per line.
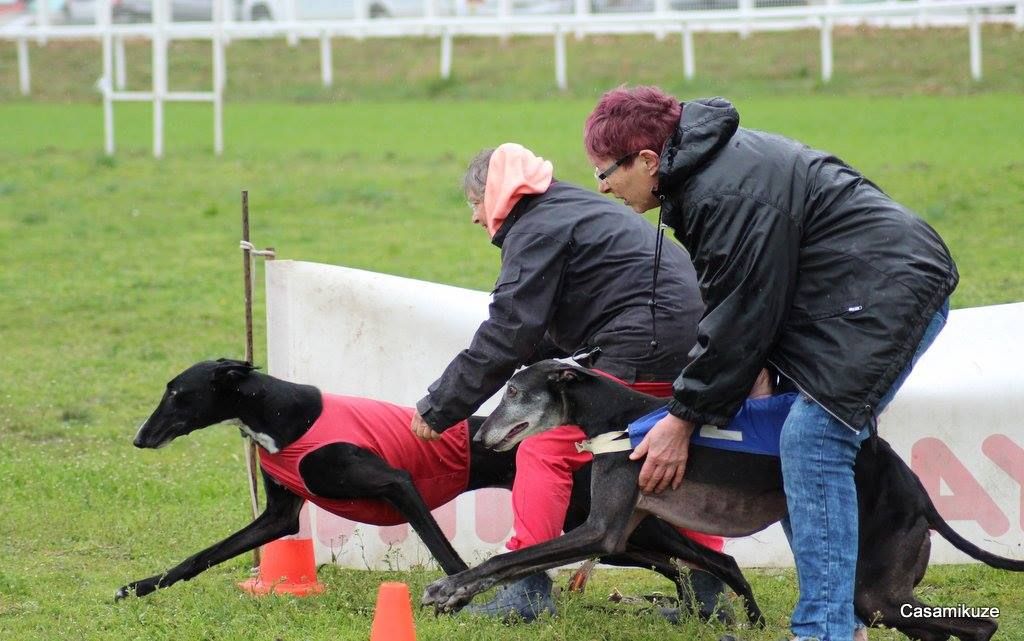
287	566
392	618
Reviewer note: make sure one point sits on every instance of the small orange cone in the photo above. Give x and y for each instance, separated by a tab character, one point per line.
392	618
287	566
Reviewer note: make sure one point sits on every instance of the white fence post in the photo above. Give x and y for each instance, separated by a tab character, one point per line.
103	19
923	16
660	6
974	34
689	68
120	71
745	7
160	11
326	64
446	54
361	9
219	11
561	78
582	8
504	12
24	73
1020	15
227	14
42	20
826	48
293	38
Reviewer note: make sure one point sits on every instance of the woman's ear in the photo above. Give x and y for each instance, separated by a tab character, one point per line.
650	160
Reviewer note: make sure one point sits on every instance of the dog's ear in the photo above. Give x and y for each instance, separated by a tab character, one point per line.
564	376
231	372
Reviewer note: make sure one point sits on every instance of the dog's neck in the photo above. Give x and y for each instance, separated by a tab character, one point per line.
276	413
604	406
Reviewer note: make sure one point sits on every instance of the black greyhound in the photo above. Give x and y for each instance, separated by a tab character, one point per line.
275	413
724	492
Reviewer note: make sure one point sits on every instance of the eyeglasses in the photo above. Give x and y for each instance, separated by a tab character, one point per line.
473	204
610	169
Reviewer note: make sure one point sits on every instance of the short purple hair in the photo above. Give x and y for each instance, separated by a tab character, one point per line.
626	121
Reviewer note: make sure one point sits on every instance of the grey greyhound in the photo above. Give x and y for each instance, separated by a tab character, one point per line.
724	492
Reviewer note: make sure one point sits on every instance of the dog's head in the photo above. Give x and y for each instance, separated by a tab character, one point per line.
536	399
200	396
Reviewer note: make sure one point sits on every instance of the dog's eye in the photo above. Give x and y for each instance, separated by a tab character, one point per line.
511	392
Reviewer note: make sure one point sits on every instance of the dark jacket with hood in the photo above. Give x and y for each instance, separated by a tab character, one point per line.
803	263
576	271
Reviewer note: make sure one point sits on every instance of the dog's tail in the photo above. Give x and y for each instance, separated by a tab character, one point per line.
940	525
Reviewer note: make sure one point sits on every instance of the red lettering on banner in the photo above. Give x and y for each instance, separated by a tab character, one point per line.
445	517
933	461
493	515
394	534
1010	458
333	531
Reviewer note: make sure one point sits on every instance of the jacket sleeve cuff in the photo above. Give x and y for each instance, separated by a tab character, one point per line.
677	409
430	416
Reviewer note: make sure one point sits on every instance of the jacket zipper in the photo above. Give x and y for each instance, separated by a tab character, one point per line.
808	395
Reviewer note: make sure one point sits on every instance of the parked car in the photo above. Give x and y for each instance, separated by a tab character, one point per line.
329	9
140	10
181	10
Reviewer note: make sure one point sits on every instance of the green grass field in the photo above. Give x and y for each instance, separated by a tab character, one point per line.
120	272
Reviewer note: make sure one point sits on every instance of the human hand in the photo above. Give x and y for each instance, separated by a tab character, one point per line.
666	447
762	385
421	429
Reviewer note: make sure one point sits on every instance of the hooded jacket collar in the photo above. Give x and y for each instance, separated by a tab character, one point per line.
524	205
705	126
513	172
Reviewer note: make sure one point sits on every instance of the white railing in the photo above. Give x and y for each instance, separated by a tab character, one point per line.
746	17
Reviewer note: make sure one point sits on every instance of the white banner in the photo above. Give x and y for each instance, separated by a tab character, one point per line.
957	420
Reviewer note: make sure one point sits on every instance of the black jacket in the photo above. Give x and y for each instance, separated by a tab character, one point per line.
576	271
803	264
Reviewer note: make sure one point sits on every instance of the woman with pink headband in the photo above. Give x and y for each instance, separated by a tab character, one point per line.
577	272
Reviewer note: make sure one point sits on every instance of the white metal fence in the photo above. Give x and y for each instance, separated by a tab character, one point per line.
446	19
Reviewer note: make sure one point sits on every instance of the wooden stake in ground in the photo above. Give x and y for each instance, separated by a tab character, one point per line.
251	460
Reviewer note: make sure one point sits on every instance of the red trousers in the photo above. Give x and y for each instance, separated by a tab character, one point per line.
544	466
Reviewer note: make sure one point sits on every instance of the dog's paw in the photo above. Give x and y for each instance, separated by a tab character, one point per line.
137	588
449	595
437	592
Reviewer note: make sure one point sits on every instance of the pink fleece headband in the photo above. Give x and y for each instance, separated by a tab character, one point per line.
513	172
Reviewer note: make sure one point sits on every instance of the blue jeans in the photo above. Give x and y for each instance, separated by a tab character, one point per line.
818	453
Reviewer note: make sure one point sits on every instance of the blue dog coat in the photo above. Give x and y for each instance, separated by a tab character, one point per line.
755	429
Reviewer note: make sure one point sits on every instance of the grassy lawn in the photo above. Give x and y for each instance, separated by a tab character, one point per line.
120	272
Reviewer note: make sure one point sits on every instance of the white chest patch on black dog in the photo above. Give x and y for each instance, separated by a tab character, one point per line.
263	440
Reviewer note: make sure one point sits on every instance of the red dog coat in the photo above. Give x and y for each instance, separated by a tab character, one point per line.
439	469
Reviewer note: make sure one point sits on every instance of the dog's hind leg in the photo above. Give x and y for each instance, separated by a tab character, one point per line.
280	518
346	471
659	536
605	532
891	562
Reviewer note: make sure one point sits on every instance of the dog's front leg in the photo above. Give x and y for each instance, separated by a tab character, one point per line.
280	518
613	499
